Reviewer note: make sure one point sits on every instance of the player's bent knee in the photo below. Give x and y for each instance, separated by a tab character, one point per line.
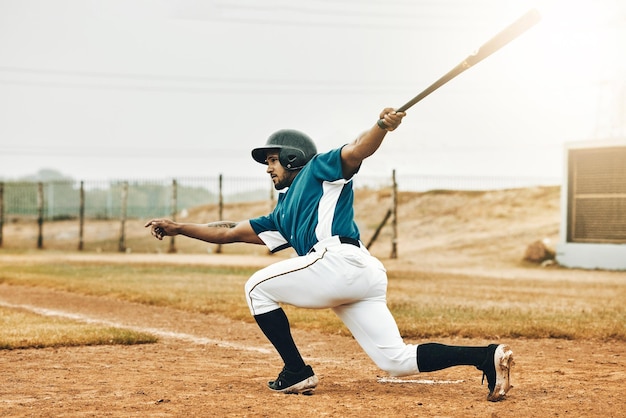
257	299
249	294
395	369
402	363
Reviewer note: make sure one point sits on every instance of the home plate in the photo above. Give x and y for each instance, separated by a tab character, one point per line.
418	381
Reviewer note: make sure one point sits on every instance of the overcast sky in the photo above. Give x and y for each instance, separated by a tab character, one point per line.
175	88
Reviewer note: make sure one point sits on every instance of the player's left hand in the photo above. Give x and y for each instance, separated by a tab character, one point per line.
160	228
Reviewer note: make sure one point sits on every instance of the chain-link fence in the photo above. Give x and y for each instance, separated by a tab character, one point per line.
90	202
58	200
102	199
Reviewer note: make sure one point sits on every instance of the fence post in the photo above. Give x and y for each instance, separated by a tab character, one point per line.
172	248
122	243
220	208
81	216
1	210
380	227
40	205
394	218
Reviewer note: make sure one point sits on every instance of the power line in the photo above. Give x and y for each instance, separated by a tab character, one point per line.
258	89
323	88
245	82
388	16
113	152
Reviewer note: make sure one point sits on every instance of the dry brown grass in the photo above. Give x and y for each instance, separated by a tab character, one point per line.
425	304
25	329
459	271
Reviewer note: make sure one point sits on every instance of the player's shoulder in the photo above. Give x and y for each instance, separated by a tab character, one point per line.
323	167
327	157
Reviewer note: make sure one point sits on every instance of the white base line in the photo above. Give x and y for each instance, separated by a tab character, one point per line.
418	381
192	338
154	331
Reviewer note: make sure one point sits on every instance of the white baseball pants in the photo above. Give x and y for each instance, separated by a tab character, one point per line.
353	284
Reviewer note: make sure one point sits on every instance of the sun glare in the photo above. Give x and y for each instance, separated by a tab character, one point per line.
582	39
575	63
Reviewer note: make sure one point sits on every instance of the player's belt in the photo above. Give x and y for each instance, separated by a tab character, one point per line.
334	240
348	240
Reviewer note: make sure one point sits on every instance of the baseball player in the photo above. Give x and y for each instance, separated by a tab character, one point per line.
333	269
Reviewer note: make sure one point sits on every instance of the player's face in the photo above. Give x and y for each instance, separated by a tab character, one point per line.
281	177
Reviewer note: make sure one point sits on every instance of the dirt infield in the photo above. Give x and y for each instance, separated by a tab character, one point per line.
208	366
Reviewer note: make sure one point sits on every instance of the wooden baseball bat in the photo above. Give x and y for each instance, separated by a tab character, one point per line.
521	25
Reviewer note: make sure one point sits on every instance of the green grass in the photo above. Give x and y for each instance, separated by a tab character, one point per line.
425	305
21	329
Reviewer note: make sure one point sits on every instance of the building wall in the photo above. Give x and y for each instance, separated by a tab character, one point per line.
602	242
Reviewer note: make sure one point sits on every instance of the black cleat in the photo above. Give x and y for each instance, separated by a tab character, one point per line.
303	381
497	369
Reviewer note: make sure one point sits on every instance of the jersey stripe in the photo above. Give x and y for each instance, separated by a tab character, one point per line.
331	190
273	240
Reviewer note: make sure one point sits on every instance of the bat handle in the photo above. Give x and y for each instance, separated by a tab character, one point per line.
381	124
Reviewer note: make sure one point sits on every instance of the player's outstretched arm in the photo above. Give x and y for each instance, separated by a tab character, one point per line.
353	154
221	232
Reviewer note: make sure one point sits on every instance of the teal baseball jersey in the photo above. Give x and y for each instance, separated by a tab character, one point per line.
317	205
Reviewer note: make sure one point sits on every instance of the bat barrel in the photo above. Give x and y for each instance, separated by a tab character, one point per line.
505	36
515	29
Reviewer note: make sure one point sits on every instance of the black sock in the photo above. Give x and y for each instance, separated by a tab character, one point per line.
275	326
434	356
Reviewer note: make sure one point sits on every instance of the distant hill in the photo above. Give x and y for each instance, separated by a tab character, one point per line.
455	229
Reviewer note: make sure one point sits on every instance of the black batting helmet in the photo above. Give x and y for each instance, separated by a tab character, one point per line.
295	149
